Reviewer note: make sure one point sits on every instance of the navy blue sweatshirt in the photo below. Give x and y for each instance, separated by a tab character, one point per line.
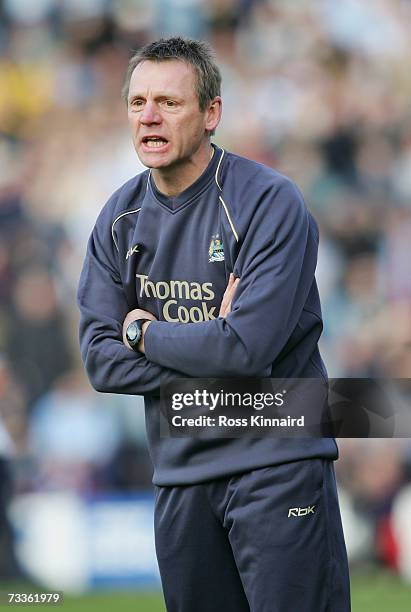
172	256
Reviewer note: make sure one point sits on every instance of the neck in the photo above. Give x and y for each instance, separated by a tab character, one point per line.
175	179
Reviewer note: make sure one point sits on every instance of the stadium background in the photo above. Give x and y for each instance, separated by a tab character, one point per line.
320	90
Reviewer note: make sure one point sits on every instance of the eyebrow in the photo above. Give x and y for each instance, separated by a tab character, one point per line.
159	95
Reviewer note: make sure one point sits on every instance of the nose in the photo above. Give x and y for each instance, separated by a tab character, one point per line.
150	114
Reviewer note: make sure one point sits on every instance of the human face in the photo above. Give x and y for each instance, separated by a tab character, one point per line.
163	104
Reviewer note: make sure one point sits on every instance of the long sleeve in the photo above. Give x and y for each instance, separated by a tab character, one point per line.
276	265
111	367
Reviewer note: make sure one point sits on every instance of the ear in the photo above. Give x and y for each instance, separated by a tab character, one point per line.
213	114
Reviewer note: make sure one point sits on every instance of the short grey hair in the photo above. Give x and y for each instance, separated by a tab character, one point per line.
197	53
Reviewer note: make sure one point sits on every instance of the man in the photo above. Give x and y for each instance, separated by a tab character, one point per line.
203	266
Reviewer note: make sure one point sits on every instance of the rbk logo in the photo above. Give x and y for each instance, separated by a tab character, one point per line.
301	511
134	249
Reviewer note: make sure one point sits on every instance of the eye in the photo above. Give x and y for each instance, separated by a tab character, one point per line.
137	103
170	103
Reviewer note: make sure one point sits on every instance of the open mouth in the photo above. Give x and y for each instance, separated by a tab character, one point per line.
154	142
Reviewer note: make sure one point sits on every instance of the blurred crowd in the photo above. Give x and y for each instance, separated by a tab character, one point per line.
319	90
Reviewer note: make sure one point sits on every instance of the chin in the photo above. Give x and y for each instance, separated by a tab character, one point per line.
154	160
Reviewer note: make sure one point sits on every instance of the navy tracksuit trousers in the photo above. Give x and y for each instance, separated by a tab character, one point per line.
268	540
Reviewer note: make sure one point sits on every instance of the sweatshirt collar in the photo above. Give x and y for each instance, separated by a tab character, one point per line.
174	202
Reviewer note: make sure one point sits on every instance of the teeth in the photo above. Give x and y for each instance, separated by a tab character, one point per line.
155	143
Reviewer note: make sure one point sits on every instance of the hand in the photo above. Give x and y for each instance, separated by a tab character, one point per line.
133	315
229	292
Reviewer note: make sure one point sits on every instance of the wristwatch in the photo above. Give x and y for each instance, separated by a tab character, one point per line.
134	332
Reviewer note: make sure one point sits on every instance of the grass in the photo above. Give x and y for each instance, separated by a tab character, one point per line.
121	602
380	592
371	592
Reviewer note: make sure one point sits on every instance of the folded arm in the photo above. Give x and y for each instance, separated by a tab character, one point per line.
276	266
110	365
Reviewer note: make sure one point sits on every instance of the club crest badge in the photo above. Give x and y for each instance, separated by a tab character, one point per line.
215	250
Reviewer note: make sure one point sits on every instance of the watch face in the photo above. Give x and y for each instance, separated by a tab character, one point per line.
133	332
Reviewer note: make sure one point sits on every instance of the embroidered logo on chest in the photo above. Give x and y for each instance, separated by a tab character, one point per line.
132	250
215	250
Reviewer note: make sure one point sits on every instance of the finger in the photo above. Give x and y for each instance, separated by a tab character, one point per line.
229	293
230	281
224	302
229	287
223	305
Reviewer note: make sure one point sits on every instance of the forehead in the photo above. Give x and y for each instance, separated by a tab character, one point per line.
174	76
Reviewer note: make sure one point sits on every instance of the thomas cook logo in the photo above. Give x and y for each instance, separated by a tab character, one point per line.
215	250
